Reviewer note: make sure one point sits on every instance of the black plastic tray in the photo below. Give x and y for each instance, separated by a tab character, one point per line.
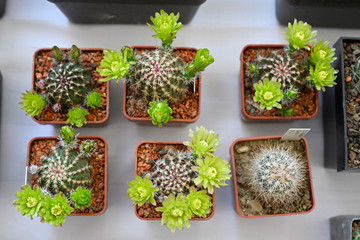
124	11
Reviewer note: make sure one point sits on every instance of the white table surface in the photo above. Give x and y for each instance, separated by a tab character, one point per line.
224	27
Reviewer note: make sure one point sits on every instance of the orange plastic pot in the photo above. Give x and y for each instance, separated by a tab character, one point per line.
136	173
28	177
248	117
177	121
311	189
89	123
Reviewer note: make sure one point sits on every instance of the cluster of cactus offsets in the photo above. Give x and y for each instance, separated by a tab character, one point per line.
282	68
276	174
158	75
68	84
173	173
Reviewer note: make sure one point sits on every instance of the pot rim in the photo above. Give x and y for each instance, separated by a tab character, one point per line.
249	117
105	173
57	122
311	188
169	143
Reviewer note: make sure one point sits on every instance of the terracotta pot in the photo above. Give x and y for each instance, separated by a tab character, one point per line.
89	123
28	176
146	119
247	116
136	173
311	190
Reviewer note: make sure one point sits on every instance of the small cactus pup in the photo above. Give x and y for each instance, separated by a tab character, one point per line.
62	180
300	68
159	78
272	176
176	181
66	90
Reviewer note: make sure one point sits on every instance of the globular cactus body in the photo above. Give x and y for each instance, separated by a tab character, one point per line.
173	173
276	174
158	75
282	68
68	84
64	170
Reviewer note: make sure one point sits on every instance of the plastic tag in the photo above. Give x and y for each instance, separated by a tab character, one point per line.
295	133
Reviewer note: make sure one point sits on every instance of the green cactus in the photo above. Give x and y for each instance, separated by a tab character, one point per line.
33	104
64	170
199	202
212	172
94	100
77	116
81	198
159	112
268	93
173	173
165	27
87	147
204	141
28	201
299	35
276	174
282	68
141	190
323	75
322	52
68	137
114	65
175	212
201	61
54	210
158	75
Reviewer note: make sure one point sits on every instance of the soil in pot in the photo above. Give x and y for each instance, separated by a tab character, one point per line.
304	106
40	147
352	99
147	154
187	109
355	228
90	59
258	202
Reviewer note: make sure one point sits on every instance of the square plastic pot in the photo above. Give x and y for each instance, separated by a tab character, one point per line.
247	117
89	123
311	189
334	115
124	11
329	13
341	227
136	173
146	120
29	176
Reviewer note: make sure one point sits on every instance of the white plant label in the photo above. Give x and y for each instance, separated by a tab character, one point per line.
295	133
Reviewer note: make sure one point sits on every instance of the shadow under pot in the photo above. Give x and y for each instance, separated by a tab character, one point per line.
271	177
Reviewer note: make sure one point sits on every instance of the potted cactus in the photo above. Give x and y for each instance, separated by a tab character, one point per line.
271	177
159	76
175	181
64	176
281	81
66	88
